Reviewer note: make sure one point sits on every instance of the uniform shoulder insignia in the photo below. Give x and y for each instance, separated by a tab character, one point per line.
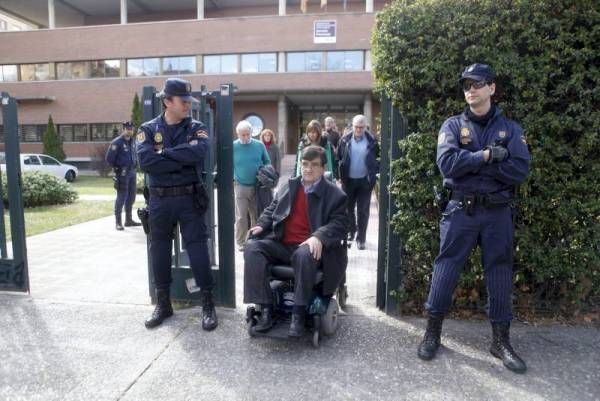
141	137
441	138
158	137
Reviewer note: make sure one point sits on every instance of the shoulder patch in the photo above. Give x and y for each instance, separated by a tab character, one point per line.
141	137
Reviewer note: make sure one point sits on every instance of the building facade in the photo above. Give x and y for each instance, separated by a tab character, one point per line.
86	59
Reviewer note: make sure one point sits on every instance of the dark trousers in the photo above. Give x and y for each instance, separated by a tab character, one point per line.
359	198
260	254
125	194
492	230
165	213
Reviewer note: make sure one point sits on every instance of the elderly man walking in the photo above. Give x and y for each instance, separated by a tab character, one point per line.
357	154
249	155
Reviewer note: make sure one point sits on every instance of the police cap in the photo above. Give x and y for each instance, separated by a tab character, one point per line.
127	125
178	87
478	72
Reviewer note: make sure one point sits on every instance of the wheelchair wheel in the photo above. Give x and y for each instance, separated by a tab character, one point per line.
342	296
329	321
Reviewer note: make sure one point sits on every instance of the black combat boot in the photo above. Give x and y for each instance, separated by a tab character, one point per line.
431	340
265	321
118	222
209	314
162	311
502	349
129	222
297	325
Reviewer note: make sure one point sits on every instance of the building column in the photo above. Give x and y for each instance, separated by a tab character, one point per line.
281	62
282	123
368	111
200	9
282	7
369	6
123	12
51	15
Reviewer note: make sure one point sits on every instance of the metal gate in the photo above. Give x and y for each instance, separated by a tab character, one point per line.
14	275
215	110
389	263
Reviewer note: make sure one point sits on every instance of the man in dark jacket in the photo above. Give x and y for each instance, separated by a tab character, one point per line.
358	154
304	224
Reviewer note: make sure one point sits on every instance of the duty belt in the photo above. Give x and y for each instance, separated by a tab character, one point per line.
485	200
163	192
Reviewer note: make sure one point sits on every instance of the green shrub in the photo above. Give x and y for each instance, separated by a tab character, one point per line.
53	144
546	57
41	189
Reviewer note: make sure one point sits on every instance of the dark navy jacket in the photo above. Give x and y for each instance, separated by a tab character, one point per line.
182	149
343	155
121	155
460	155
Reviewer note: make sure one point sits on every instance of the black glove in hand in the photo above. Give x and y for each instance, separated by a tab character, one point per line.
497	154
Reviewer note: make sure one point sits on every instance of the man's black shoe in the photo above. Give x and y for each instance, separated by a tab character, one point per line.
162	310
118	223
431	340
132	223
209	314
265	321
502	349
297	325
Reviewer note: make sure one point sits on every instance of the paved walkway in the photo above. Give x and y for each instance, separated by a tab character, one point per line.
79	336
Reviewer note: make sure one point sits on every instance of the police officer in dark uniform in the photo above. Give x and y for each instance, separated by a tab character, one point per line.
121	156
170	149
482	156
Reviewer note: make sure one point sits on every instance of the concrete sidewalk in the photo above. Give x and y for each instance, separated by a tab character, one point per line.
80	336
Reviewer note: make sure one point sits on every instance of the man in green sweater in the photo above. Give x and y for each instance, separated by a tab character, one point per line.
248	156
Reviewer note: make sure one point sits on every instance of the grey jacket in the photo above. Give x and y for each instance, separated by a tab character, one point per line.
275	156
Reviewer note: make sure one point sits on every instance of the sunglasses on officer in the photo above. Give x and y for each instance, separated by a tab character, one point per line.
466	85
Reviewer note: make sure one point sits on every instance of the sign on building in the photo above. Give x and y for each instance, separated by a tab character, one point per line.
324	31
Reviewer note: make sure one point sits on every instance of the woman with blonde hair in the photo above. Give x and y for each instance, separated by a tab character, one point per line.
313	136
268	138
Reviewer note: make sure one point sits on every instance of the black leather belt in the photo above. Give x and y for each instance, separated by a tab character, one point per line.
485	200
163	192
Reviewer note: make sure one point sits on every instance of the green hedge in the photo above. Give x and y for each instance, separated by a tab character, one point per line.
546	57
41	189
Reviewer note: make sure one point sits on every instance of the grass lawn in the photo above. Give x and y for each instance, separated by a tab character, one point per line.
47	218
94	185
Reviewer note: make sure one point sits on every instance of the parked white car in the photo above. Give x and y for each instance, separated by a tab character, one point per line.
45	164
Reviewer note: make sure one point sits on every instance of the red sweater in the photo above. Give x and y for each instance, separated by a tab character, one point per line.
297	225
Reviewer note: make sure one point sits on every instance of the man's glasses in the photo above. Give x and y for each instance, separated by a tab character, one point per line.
466	85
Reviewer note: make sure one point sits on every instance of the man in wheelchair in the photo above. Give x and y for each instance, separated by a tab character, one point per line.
303	227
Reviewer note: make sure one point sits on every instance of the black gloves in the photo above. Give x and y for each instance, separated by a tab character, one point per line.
497	154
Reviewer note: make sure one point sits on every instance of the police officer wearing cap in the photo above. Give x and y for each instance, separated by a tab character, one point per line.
170	148
482	156
121	156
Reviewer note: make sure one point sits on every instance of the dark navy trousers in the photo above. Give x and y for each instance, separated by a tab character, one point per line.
492	230
125	193
165	213
359	199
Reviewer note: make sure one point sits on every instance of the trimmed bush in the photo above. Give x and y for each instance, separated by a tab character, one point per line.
53	144
546	57
41	189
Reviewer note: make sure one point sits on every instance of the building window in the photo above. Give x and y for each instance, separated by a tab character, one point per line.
105	132
35	72
9	73
105	69
257	123
31	133
179	65
304	61
221	64
73	132
73	70
260	62
345	61
143	67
